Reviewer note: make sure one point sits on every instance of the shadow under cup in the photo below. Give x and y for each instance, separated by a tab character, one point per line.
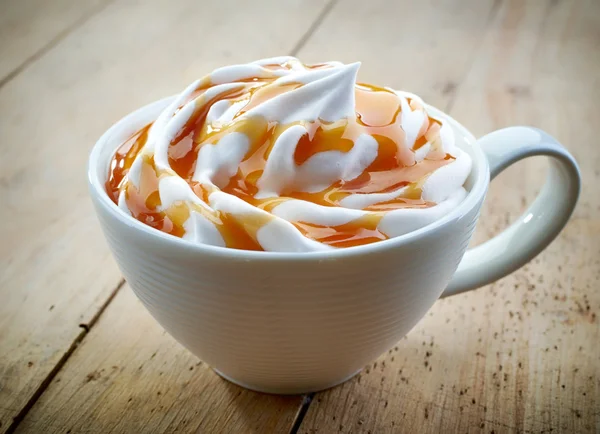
285	322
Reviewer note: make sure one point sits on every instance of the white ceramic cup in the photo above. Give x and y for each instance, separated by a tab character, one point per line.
302	322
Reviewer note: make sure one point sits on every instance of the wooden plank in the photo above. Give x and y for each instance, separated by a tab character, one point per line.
424	47
29	27
520	355
539	67
130	376
55	269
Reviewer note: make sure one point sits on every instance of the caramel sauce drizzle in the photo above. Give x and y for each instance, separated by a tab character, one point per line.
378	114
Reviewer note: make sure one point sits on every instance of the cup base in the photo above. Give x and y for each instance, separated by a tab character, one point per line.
285	391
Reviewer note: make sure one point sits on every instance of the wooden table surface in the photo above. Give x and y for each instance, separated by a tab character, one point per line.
78	352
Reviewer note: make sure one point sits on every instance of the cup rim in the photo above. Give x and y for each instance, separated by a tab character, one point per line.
480	170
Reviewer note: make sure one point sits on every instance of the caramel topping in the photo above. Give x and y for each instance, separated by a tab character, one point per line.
122	161
378	114
354	233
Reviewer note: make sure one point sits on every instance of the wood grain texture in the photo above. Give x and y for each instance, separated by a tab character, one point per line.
522	354
519	356
130	376
29	27
424	47
113	16
55	269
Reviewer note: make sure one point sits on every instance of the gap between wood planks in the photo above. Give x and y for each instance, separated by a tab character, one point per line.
451	88
86	327
53	42
314	26
307	399
56	369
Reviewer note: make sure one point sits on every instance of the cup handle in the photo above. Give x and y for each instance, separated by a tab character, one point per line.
542	221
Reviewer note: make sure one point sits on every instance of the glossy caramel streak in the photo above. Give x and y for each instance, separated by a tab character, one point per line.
182	152
144	202
378	114
122	161
354	233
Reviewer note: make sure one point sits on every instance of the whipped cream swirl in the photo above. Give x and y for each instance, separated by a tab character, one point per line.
280	156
